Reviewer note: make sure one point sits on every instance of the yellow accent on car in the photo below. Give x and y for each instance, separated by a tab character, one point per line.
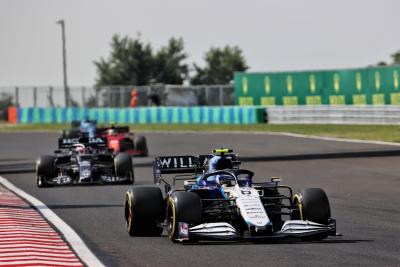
129	220
296	196
171	233
222	150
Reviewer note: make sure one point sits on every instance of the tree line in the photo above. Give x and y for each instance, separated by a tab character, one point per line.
395	60
134	62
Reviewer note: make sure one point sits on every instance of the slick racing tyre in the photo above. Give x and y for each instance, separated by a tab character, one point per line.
140	144
144	211
314	206
45	169
124	167
182	207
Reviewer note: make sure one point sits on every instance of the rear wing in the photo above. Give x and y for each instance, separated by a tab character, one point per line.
177	164
64	143
119	129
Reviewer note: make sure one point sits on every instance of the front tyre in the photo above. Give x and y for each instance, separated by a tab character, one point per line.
124	167
182	207
144	211
313	206
140	144
45	169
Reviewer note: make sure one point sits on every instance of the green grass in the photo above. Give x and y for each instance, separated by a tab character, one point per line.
390	133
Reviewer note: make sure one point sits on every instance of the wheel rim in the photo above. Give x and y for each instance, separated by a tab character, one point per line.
171	220
170	224
296	199
129	215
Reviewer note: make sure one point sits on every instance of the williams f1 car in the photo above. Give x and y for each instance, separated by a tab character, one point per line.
119	138
85	160
224	203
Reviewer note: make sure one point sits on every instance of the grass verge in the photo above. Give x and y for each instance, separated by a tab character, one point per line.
389	133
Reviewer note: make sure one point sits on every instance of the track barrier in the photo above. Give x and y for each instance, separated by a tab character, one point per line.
324	114
145	115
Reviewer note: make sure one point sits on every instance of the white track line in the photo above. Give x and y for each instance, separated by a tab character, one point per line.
324	138
335	139
68	233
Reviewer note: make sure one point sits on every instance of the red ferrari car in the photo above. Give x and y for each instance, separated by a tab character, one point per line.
121	140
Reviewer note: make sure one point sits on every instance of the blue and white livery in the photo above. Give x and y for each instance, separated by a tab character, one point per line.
219	200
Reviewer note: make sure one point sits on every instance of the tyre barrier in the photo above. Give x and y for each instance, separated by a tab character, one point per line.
145	115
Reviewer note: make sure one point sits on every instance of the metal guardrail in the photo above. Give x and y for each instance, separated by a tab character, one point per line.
368	114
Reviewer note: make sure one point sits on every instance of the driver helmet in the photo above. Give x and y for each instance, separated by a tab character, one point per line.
85	123
80	149
217	163
111	131
212	163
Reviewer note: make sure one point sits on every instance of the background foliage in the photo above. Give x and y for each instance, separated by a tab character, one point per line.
134	62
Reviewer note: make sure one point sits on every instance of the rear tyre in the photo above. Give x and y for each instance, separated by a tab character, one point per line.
144	211
45	169
124	167
182	207
314	206
140	144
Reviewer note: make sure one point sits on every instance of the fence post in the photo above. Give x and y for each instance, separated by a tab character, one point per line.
206	91
148	94
35	96
83	96
16	96
221	96
108	96
113	97
121	97
51	101
96	95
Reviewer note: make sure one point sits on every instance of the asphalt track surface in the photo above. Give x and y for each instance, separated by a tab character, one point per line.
362	182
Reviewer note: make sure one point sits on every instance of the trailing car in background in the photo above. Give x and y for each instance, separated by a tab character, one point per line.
84	160
119	138
77	127
224	203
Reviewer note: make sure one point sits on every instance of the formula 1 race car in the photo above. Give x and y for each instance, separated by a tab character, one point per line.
224	203
119	138
84	160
